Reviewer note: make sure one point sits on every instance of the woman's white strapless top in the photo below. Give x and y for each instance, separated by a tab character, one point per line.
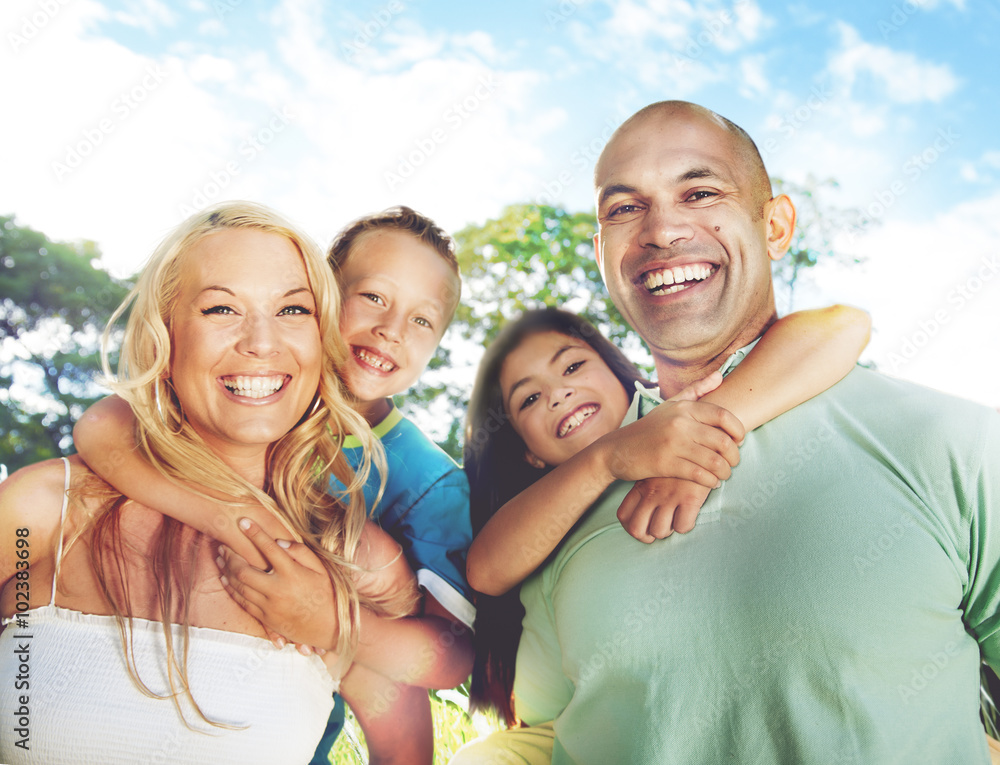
83	707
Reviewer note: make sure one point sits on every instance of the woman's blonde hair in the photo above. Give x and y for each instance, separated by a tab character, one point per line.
299	464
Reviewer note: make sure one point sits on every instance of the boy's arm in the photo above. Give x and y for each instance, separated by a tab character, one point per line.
800	356
104	437
294	598
395	718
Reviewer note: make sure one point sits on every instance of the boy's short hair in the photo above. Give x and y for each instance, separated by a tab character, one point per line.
399	218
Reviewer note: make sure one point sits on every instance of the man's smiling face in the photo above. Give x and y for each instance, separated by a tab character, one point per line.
683	234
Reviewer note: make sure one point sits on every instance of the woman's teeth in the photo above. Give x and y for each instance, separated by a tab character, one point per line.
254	387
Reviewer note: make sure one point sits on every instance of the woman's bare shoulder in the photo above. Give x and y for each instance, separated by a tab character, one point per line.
31	506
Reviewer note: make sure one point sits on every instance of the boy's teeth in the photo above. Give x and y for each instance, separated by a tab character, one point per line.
675	278
575	419
254	387
375	361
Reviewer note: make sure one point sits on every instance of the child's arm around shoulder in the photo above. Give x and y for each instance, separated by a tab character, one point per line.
104	437
799	357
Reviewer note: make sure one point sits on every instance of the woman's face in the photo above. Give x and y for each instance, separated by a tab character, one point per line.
246	350
560	396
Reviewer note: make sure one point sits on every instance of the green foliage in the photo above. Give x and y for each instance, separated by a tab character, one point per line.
452	729
54	302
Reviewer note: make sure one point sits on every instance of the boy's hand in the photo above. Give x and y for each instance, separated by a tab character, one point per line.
293	599
656	507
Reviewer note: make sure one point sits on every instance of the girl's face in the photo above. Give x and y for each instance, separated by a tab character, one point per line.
560	396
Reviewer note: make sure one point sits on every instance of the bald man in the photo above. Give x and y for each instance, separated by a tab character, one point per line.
834	601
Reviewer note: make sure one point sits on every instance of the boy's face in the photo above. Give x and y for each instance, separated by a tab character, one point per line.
399	295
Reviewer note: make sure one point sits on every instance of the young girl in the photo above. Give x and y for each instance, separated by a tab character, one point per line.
543	443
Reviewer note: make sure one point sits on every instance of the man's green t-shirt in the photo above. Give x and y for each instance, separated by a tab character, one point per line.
829	607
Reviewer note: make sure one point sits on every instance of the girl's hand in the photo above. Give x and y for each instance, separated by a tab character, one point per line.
293	599
656	507
681	438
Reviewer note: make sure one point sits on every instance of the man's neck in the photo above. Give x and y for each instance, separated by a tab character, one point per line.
676	371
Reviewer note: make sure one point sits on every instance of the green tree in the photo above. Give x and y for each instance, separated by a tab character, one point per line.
54	303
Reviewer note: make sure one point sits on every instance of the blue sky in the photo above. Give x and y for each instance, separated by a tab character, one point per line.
124	116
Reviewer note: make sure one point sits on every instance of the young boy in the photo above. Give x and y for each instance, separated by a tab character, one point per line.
400	284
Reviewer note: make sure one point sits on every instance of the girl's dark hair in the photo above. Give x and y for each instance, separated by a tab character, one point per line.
497	471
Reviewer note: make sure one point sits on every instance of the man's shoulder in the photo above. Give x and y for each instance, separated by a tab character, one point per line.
891	405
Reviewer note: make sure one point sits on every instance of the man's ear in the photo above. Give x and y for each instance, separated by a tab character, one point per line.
534	461
598	255
779	217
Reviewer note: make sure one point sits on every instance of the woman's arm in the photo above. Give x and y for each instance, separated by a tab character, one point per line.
800	356
104	438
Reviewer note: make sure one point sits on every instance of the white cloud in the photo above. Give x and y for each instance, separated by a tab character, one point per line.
754	80
932	288
905	78
146	14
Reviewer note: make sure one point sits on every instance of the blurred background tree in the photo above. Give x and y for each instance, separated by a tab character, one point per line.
54	302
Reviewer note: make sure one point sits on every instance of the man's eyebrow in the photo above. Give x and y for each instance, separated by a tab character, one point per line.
525	380
696	173
615	188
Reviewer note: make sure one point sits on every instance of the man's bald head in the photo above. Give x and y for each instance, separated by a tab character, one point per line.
743	145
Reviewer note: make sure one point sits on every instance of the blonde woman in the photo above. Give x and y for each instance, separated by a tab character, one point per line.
128	647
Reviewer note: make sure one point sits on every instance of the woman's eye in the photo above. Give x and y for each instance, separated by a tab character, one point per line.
217	309
423	322
573	367
295	310
373	297
528	401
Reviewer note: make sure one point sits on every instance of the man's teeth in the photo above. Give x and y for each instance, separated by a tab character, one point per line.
674	278
571	422
254	387
374	361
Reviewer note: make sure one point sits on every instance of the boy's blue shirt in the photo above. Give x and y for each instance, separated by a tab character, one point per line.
425	508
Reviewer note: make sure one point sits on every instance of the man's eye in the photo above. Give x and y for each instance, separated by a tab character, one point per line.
295	310
697	196
528	401
573	367
217	309
623	210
